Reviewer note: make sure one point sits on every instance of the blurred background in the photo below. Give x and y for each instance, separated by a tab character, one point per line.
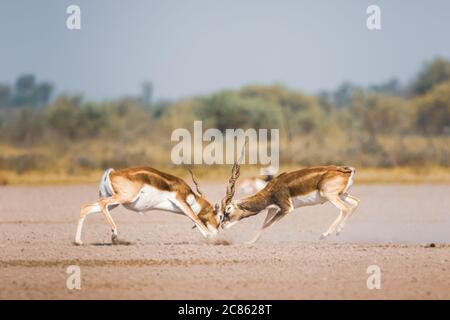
74	102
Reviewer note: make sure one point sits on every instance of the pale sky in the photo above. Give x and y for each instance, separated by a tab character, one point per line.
190	47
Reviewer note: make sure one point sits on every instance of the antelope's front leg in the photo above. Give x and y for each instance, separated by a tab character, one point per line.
270	218
187	210
273	215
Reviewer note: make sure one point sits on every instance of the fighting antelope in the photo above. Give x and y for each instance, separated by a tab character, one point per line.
287	191
144	189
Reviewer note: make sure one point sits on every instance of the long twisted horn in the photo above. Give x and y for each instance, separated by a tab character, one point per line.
235	172
194	179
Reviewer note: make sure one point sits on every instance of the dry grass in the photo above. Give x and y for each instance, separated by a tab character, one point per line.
47	178
404	175
3	181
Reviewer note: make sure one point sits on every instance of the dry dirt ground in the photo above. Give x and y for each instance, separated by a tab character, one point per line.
169	260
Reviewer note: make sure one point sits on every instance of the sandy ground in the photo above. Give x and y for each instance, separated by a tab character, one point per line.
169	260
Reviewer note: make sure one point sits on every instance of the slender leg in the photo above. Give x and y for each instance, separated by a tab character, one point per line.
271	213
187	210
279	213
344	211
85	210
333	226
353	202
104	205
284	207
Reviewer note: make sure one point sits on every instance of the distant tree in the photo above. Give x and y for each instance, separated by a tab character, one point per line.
432	111
391	87
28	128
43	93
344	93
63	116
25	84
91	119
159	107
27	92
432	74
378	114
300	113
5	95
24	91
147	93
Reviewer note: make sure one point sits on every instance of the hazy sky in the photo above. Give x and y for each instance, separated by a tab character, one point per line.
189	47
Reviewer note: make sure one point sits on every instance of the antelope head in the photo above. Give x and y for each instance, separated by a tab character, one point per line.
209	215
230	213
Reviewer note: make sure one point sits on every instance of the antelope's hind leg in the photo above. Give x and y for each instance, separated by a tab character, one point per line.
85	210
344	211
353	202
113	202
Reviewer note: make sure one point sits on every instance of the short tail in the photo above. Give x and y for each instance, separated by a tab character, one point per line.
347	169
352	172
105	189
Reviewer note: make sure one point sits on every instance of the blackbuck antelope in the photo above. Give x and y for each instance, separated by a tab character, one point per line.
144	189
287	191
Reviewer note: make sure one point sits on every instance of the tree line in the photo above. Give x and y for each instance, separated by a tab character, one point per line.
382	125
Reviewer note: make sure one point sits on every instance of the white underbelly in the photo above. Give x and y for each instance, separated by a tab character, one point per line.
308	199
150	198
